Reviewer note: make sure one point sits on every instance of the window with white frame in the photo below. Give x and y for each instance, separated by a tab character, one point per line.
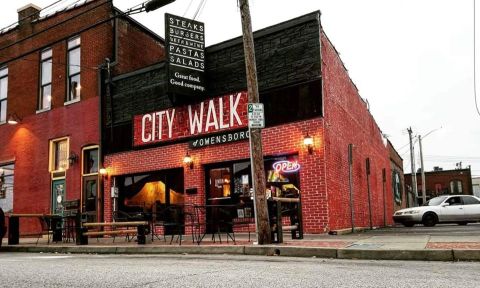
73	84
45	96
6	186
59	155
3	93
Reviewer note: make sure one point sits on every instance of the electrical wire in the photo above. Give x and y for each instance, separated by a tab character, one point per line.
188	8
60	63
201	9
55	25
16	22
46	15
198	9
474	61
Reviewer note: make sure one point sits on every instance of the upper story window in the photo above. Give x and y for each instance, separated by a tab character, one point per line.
456	186
59	155
3	93
73	84
90	160
45	96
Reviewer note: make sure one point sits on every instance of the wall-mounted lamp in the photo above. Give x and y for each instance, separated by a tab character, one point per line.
308	142
187	160
103	171
73	158
13	119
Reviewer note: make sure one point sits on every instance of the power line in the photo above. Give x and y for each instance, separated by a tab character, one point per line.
474	61
188	8
453	157
60	63
33	14
54	26
202	3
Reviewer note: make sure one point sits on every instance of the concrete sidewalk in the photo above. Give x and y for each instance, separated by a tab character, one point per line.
366	245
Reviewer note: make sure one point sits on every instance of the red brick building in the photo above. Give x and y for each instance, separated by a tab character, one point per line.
442	182
307	93
49	73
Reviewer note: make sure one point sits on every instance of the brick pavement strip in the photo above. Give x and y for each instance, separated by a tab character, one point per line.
453	245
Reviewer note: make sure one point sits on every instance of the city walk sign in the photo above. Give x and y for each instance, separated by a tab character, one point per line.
185	45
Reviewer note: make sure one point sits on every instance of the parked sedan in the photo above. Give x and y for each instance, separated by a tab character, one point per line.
460	209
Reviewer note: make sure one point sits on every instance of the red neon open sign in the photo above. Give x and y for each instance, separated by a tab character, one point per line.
286	166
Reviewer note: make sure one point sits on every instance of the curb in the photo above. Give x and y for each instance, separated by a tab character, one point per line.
415	255
466	255
267	250
291	251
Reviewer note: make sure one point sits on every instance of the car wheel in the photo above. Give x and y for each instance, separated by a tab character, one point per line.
408	224
429	219
462	223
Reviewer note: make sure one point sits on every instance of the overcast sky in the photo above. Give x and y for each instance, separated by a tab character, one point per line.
411	59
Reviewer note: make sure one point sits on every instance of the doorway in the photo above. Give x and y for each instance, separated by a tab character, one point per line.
91	200
58	196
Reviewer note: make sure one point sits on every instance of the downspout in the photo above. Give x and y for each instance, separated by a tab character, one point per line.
350	182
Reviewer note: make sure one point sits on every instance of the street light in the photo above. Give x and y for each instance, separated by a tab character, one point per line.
422	169
155	4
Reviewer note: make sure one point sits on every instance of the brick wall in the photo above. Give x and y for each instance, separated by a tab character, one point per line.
82	17
27	144
23	59
286	53
348	121
135	43
284	139
443	178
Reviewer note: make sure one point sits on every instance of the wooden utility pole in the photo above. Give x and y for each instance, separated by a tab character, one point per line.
424	185
256	151
412	165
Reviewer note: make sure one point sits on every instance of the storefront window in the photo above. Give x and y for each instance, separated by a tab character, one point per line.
220	183
141	192
282	180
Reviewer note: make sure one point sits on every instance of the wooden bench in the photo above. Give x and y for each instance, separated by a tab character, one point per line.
142	227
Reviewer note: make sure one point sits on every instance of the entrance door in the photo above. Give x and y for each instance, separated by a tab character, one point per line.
58	195
219	190
91	200
90	184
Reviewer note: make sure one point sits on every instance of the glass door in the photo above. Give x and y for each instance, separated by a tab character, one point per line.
91	202
58	196
90	186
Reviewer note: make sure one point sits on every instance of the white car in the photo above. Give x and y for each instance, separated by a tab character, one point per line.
460	209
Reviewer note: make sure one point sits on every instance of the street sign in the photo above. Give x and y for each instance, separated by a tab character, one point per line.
256	115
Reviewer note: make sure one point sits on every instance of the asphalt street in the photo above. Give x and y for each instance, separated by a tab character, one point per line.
55	270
